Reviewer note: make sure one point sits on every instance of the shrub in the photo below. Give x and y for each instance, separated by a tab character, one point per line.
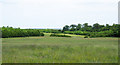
17	32
86	36
56	35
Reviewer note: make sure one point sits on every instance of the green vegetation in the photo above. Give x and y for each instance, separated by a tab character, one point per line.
77	32
96	30
76	49
50	30
17	32
59	35
73	44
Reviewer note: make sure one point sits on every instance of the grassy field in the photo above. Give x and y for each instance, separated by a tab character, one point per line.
60	50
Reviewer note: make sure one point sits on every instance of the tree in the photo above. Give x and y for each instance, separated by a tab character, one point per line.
73	27
78	27
66	28
85	27
107	26
96	27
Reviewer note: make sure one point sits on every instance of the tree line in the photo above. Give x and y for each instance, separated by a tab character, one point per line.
96	30
17	32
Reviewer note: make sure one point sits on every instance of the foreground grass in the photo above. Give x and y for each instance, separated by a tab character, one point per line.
60	50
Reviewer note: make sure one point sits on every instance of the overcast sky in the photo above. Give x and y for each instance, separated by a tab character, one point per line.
57	13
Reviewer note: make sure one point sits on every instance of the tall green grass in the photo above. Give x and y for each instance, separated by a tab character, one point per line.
60	50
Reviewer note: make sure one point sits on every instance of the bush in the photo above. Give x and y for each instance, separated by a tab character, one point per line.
108	33
17	32
77	32
50	30
86	36
56	35
41	34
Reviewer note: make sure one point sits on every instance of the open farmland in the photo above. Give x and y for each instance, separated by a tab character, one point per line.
59	50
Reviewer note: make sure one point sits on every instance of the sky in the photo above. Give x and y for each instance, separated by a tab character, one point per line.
57	13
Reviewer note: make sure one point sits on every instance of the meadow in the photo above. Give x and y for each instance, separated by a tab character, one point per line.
75	49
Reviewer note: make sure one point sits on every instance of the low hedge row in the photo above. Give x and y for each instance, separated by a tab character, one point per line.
56	35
